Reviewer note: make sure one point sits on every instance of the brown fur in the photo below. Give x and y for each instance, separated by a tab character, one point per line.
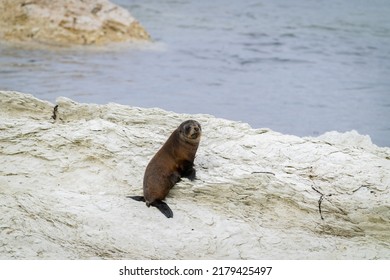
174	160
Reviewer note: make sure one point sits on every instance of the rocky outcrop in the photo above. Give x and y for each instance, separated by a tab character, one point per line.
66	168
69	22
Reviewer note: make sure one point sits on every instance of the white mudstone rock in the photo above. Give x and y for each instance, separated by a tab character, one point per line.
259	194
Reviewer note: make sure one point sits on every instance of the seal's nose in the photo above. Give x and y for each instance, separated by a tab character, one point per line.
196	128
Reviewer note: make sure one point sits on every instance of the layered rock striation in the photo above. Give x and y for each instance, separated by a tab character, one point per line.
66	169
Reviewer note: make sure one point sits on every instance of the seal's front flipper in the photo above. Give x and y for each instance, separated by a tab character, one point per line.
189	173
163	207
137	198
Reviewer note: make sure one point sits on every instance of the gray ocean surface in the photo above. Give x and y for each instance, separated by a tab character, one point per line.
299	67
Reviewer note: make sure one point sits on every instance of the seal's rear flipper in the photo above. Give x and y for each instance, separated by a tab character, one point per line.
137	198
163	207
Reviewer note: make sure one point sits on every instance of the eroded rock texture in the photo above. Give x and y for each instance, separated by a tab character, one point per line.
65	174
71	22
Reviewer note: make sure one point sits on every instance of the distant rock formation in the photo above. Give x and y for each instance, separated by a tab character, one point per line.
70	22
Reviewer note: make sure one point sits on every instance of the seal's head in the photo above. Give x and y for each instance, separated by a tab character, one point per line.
190	131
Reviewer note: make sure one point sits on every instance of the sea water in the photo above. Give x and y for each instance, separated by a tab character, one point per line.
299	67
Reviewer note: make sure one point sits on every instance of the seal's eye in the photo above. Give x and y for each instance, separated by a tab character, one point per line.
187	129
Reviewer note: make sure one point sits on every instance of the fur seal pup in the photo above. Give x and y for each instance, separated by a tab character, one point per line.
174	160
